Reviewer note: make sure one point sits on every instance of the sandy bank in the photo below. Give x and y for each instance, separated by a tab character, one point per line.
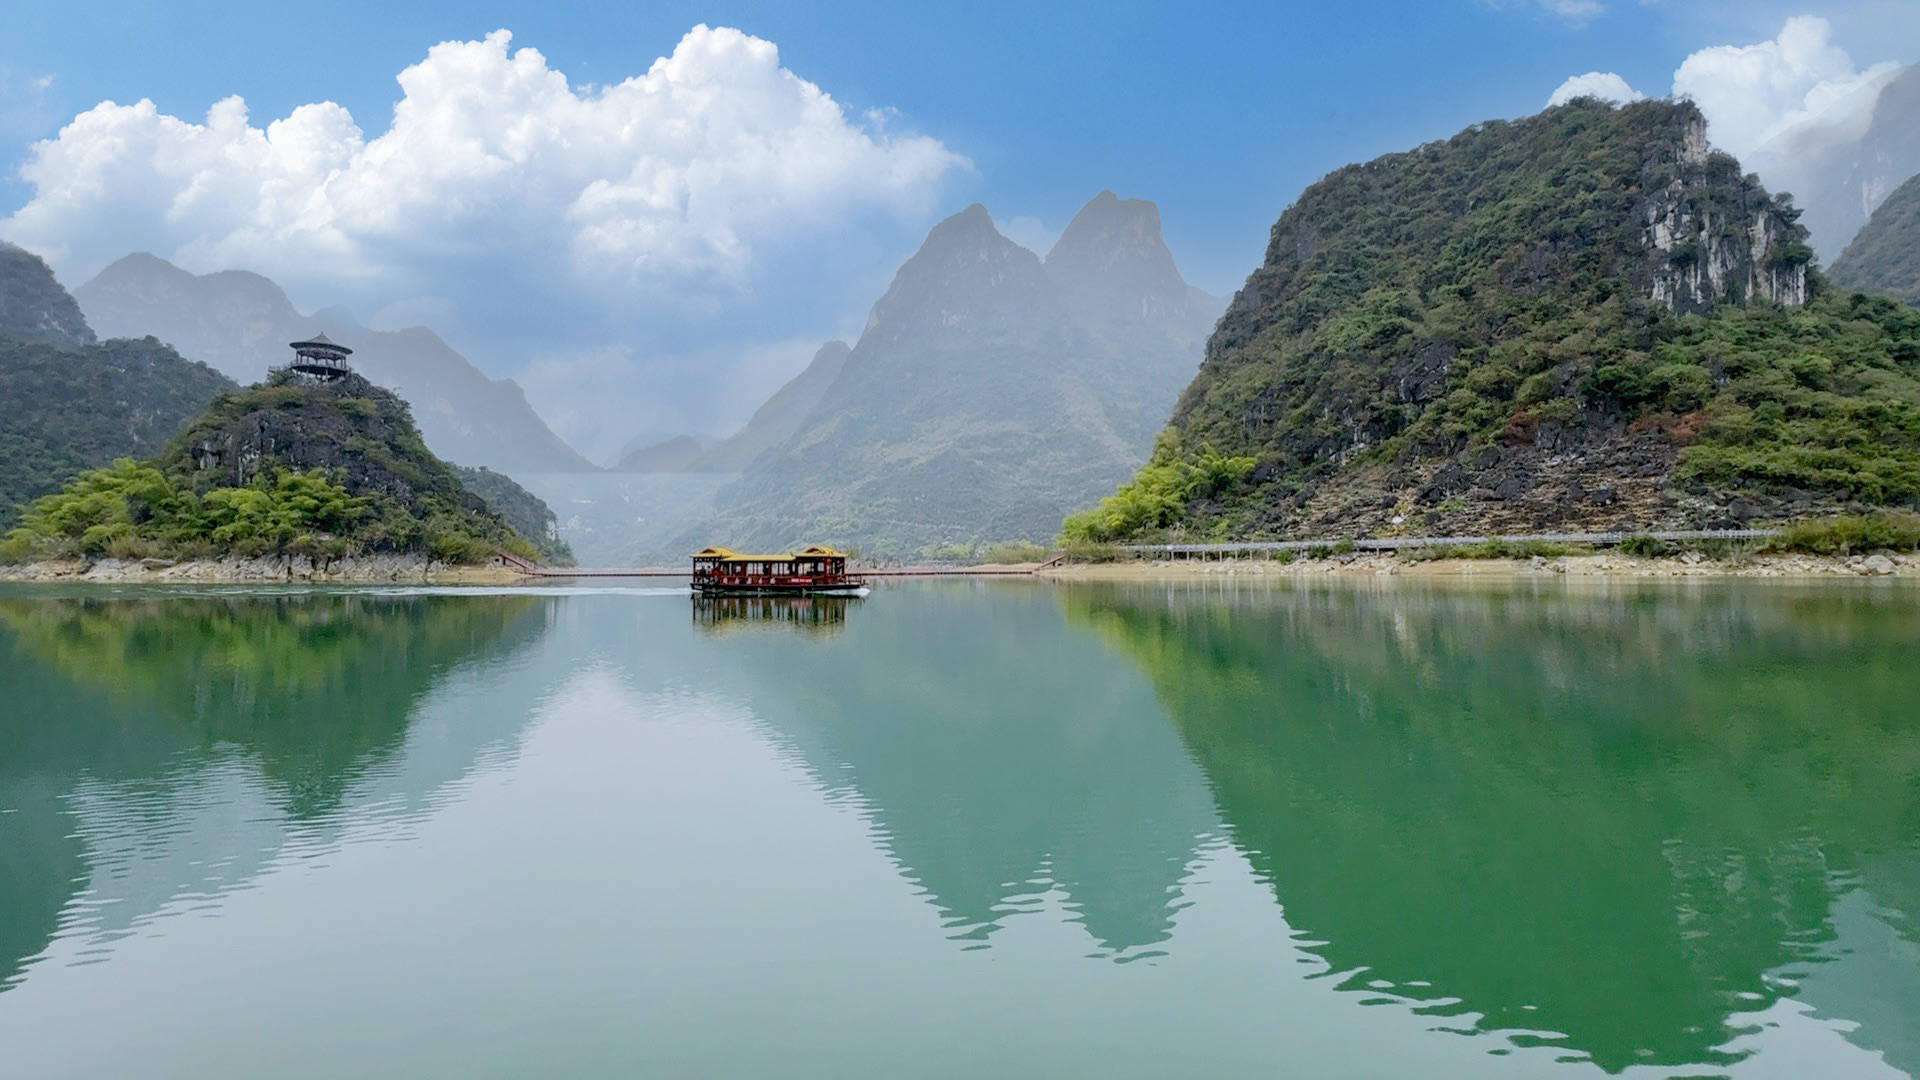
386	569
1574	566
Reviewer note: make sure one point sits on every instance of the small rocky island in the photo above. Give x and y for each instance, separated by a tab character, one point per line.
315	473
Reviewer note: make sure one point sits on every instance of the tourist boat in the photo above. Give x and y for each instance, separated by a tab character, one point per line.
811	571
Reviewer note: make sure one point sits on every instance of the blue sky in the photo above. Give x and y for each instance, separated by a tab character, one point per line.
1219	113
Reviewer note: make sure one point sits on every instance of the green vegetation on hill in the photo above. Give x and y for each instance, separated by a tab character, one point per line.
33	306
64	409
1580	318
281	467
529	515
1884	258
67	403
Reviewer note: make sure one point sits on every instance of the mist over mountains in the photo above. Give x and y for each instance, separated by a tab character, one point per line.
990	390
1840	166
1884	258
240	323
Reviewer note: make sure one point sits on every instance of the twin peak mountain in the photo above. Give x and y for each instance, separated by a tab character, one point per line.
990	391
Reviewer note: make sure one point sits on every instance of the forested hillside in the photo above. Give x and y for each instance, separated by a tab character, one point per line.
64	409
529	515
68	403
1582	318
1884	259
33	306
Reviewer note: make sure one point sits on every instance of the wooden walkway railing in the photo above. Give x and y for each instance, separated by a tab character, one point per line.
1396	543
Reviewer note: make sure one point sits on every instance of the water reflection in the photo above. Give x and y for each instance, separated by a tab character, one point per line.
810	614
159	750
1000	756
1623	823
1636	827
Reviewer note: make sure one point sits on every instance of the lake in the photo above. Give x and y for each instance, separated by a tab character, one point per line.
962	829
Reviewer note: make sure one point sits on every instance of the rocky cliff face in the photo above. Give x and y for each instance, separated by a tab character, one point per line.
1714	235
33	306
240	323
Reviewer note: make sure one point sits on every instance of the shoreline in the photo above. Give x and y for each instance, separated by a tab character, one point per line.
391	570
1598	566
264	570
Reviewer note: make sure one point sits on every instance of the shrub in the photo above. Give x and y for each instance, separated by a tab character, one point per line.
1160	493
1847	535
1018	551
949	553
1093	553
1644	546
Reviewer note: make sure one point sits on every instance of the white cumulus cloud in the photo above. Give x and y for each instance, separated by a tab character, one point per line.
493	164
1604	85
1753	93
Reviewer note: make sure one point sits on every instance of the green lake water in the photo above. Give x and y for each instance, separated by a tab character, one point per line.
963	829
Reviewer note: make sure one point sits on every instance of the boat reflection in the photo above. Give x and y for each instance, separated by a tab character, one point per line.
812	615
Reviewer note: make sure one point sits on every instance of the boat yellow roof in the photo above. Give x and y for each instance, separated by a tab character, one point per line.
816	551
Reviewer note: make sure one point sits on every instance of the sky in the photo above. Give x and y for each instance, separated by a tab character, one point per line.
651	214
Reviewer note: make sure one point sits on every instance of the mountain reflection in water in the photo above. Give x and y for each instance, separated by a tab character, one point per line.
1617	827
164	749
998	756
1620	822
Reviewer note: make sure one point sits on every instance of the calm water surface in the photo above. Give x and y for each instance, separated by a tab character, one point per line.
963	830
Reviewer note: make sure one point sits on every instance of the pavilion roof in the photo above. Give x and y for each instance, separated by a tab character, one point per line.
321	341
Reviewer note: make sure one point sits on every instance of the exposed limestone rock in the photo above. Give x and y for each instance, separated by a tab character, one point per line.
1715	236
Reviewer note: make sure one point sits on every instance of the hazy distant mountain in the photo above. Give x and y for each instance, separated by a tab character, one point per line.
240	323
989	392
781	417
672	455
33	306
773	423
1884	259
1841	165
